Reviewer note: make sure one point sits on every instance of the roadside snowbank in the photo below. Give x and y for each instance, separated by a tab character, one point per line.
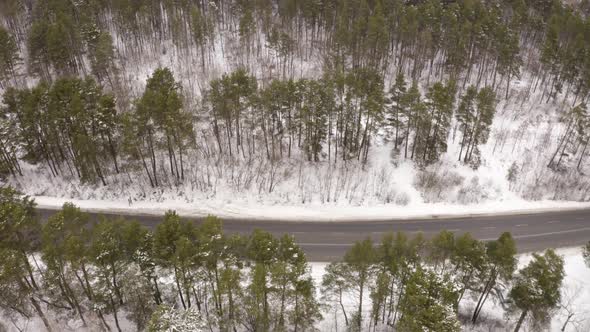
313	212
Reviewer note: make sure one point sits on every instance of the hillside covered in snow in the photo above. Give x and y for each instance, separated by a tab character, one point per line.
388	104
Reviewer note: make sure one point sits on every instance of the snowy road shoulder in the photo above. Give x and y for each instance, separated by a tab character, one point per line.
313	212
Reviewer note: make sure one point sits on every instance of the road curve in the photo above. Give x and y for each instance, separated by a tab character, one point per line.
327	241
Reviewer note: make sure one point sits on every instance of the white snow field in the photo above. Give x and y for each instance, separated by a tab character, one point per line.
315	212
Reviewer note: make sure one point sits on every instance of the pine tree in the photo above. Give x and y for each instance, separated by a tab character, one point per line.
160	111
417	117
509	60
37	48
376	39
475	115
500	255
107	124
441	99
19	234
102	57
19	226
19	295
26	108
550	55
59	51
222	269
379	296
64	238
441	250
261	250
360	262
399	256
427	303
173	240
297	306
247	28
139	248
10	142
318	105
230	100
537	288
335	286
9	58
111	264
465	117
366	86
398	109
202	30
577	119
72	107
486	109
470	264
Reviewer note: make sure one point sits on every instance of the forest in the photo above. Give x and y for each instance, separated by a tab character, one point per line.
350	102
198	98
184	276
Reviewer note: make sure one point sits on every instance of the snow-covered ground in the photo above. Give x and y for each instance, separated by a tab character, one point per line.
513	176
315	212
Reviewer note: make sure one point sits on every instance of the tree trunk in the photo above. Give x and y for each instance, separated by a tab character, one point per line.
342	306
113	153
178	287
115	314
462	142
520	321
569	316
582	155
41	314
153	158
145	166
483	297
360	317
157	296
560	143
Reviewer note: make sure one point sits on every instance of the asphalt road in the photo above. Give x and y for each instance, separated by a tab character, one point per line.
327	241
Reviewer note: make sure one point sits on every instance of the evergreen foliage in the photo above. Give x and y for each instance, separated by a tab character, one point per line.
446	61
537	288
407	71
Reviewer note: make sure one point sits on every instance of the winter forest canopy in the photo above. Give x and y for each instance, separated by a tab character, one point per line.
295	99
347	102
